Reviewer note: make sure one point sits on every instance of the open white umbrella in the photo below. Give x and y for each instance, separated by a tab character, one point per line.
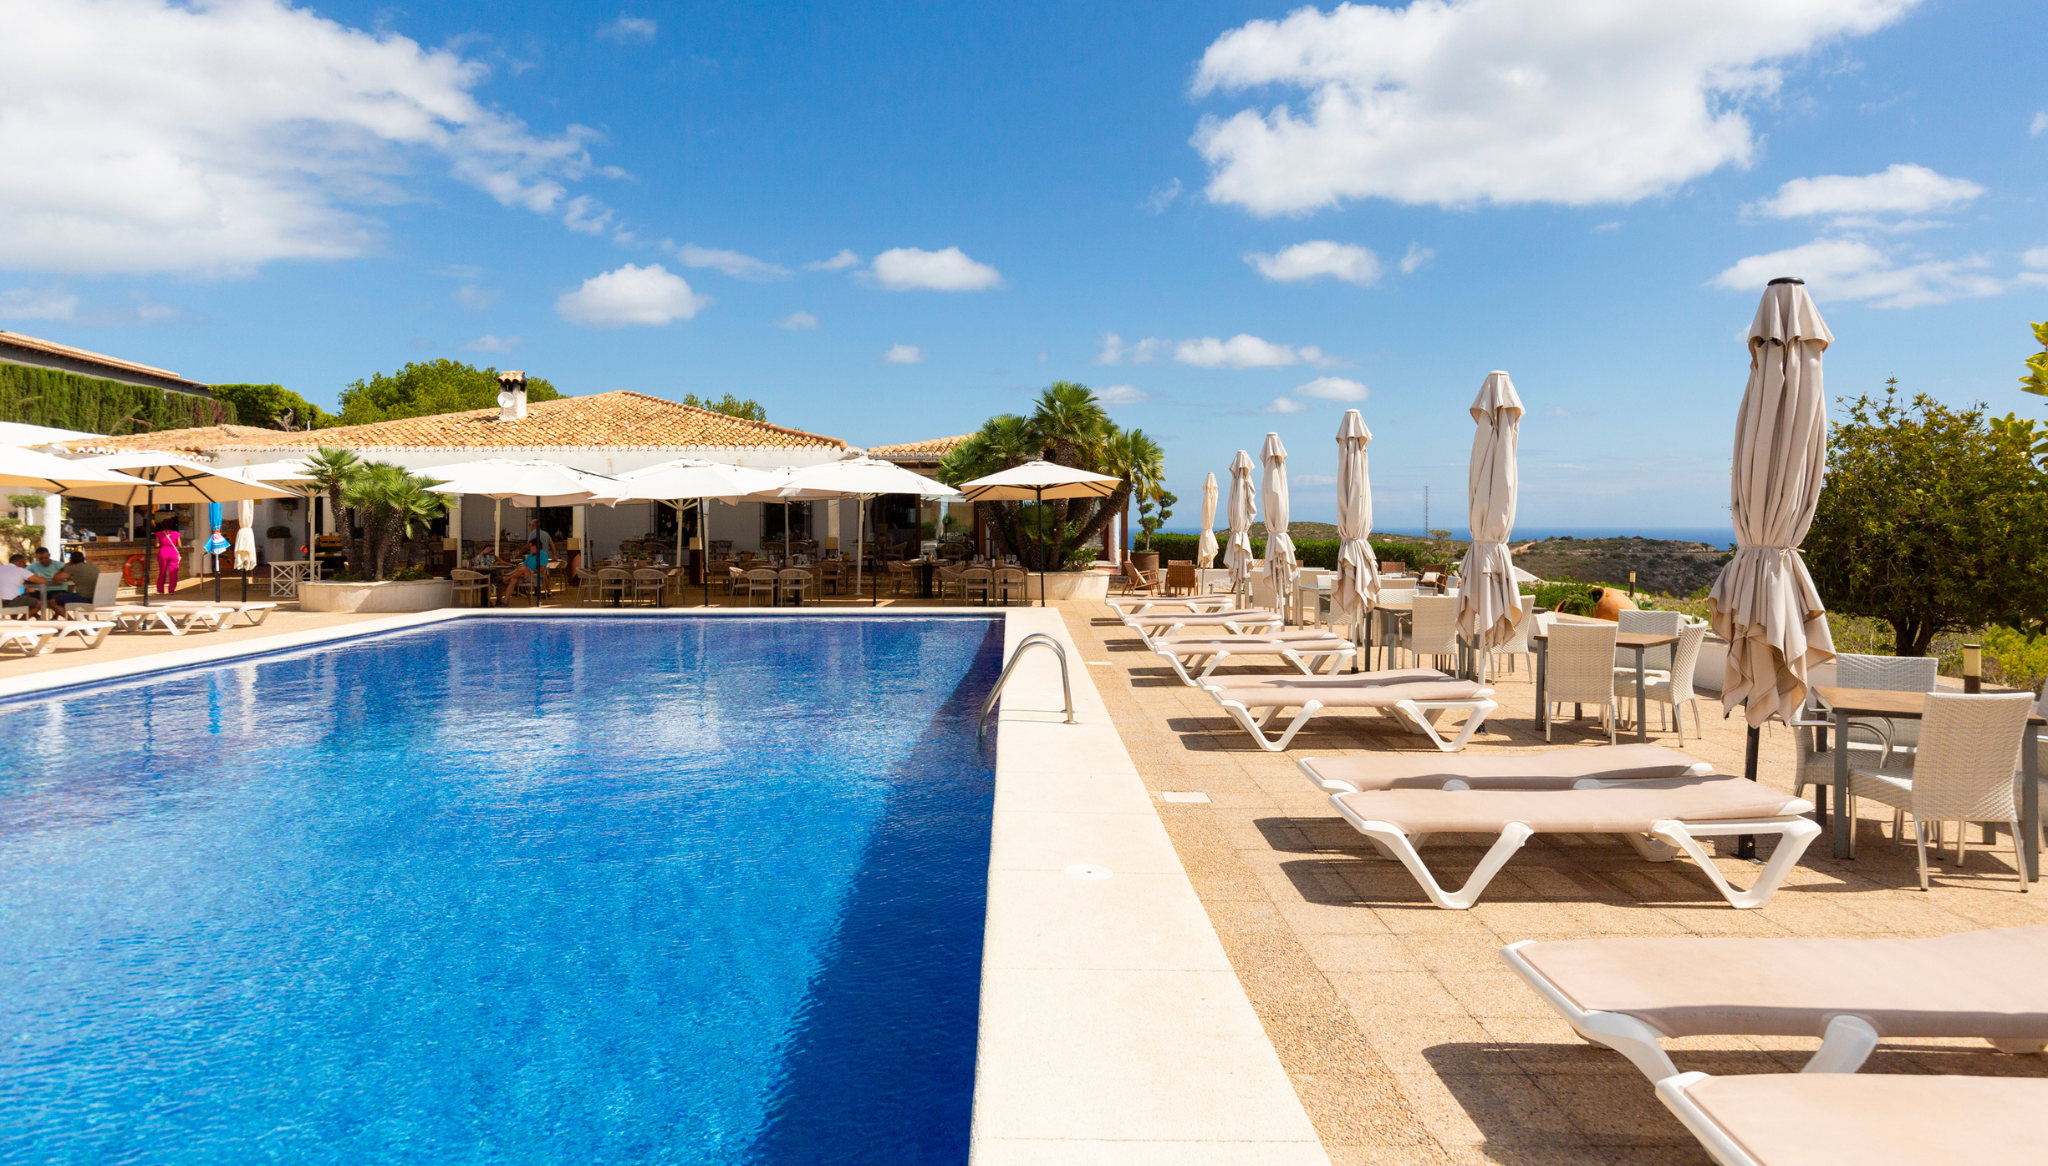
1243	507
528	484
1358	571
1205	546
1764	603
856	477
1489	600
169	478
28	469
1281	568
685	479
1038	481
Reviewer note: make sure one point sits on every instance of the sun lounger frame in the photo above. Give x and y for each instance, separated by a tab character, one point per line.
91	633
1667	839
28	639
1309	661
1125	605
1418	716
1242	625
255	611
139	617
1337	785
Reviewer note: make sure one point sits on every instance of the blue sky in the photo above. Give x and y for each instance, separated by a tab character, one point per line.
1271	213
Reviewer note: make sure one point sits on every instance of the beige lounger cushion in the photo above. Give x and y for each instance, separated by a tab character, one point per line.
1990	984
1207	618
1355	696
1552	769
1630	809
1381	679
1786	1119
1288	639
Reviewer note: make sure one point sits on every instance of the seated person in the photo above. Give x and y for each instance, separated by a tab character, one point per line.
80	578
528	568
14	575
486	557
42	567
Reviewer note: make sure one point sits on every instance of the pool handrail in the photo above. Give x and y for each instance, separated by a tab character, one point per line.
1034	640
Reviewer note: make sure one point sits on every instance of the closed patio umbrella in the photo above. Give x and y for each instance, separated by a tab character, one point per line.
1764	603
1039	481
290	474
1205	546
1281	569
1488	596
1358	571
1243	507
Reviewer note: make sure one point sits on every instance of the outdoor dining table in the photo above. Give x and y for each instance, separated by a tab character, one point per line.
927	573
1844	703
1384	615
1637	642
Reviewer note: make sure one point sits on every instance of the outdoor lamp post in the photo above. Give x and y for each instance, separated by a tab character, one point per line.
1973	667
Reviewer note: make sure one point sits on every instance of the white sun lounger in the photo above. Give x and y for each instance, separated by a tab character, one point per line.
1414	701
1129	605
1306	650
137	617
1805	1119
254	612
1550	769
1660	818
1233	621
28	639
1628	994
89	633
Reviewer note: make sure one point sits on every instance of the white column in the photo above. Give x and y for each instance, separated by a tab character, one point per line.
53	524
831	524
455	523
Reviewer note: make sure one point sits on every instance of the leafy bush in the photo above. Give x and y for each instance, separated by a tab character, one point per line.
2012	657
1315	552
48	396
278	532
1568	597
409	573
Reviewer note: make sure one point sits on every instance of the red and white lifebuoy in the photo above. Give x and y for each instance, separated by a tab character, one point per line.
133	571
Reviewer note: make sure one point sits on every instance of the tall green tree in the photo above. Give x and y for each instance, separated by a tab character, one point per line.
1067	426
426	388
731	406
1930	520
275	406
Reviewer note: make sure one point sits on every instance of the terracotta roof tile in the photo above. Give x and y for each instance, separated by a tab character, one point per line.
932	450
615	420
183	441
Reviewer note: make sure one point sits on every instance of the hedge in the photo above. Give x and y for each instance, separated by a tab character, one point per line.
66	400
1318	553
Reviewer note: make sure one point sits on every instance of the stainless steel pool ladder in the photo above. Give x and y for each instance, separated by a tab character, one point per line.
1034	640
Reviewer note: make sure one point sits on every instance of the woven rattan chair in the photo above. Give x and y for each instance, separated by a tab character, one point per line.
759	581
1969	751
613	582
1873	741
976	583
1518	644
1011	582
1433	629
469	584
1579	669
1893	674
1674	687
1655	623
649	583
1182	578
1136	582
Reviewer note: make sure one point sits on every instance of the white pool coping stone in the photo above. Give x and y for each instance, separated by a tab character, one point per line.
1112	1029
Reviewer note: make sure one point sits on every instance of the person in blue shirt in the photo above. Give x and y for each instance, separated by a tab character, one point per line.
530	567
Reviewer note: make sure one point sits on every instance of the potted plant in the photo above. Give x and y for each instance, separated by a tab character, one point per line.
1155	506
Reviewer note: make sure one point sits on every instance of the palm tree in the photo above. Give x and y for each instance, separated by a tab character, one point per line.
331	471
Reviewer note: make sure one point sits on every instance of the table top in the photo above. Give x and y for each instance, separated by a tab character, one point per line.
1878	702
1627	639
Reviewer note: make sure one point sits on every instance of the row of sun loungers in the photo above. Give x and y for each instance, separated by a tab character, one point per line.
89	630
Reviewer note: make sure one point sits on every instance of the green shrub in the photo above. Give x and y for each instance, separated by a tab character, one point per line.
1312	552
48	396
1568	597
2014	658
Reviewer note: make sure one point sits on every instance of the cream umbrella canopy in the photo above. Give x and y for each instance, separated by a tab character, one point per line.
1488	597
1244	505
1281	569
1764	603
1358	571
671	483
169	478
1205	546
28	469
859	477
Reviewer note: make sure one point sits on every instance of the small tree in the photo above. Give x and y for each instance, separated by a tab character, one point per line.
428	387
1930	520
731	406
1148	520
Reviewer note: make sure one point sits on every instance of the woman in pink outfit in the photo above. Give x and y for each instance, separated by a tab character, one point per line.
167	559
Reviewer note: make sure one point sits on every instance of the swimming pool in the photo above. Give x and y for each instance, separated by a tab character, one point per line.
504	890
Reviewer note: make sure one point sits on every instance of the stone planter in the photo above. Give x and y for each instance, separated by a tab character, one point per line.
1070	585
414	595
1146	561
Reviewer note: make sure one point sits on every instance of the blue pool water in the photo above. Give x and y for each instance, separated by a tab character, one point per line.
578	890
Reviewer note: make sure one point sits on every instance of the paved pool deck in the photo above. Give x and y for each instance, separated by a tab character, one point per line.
1407	1039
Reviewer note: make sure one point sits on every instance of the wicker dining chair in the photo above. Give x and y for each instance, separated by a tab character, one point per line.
651	582
1963	772
1579	669
469	584
1012	581
792	581
613	581
976	583
1671	688
760	581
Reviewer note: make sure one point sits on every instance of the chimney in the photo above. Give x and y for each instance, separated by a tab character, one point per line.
511	395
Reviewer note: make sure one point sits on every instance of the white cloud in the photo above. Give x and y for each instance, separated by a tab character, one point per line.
839	262
1115	351
1162	196
213	138
1613	226
1334	389
470	295
1345	261
1851	269
798	322
1245	351
1456	102
631	295
1118	395
911	269
2039	124
1285	405
460	271
1416	257
492	344
1311	479
903	354
586	215
628	29
47	303
2036	258
1901	189
731	263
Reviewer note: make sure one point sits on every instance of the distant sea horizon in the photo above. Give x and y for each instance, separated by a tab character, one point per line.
1716	536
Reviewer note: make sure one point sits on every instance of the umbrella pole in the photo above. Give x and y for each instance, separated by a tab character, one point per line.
1745	845
1039	514
148	543
704	536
